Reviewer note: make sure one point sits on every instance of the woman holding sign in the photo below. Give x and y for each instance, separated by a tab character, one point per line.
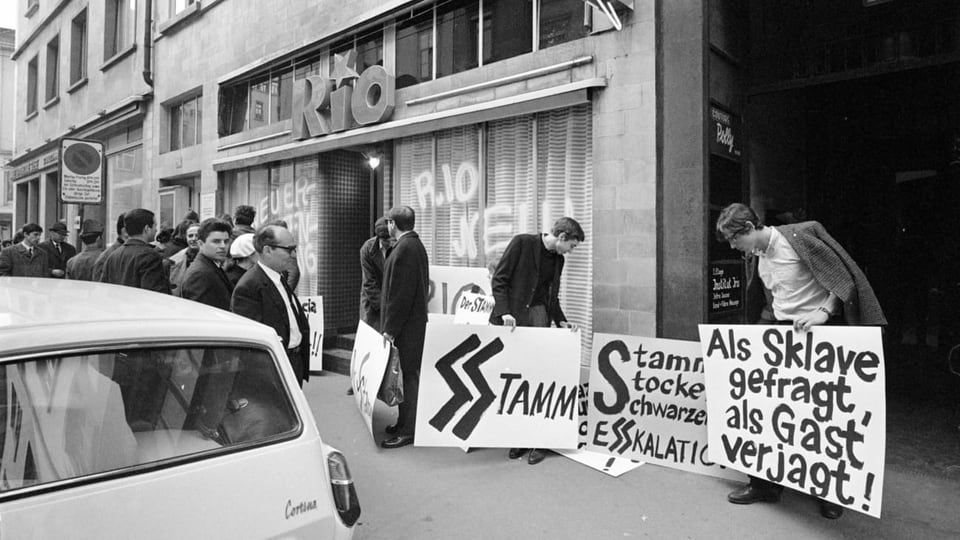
802	277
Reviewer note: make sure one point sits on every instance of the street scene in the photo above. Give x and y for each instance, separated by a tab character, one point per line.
480	268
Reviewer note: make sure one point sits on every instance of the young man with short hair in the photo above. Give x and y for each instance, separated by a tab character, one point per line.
403	315
526	285
205	280
24	259
136	263
802	277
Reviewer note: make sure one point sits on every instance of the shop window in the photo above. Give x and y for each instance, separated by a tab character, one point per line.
185	122
233	109
33	76
118	26
470	202
457	37
78	48
53	70
507	29
561	21
415	49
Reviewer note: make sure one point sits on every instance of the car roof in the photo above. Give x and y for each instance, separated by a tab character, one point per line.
50	313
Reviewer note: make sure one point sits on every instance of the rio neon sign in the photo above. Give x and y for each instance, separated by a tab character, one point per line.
327	105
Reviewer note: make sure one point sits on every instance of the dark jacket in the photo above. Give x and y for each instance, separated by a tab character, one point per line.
206	283
256	297
515	280
371	264
81	266
16	261
831	266
136	264
58	259
98	264
406	283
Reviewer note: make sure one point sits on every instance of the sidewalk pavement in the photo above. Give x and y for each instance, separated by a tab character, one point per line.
445	493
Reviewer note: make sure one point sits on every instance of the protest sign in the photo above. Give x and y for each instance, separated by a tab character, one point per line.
496	386
648	403
614	466
367	366
313	307
806	410
449	283
473	308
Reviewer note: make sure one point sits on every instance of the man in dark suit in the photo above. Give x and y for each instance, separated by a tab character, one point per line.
137	263
24	259
264	295
526	284
205	280
403	315
121	238
58	250
373	253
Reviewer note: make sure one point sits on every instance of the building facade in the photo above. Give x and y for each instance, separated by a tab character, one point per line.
84	72
8	72
640	119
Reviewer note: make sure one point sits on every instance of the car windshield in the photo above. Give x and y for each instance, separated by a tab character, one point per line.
76	415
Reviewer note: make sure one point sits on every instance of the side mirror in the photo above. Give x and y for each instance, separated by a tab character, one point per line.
953	359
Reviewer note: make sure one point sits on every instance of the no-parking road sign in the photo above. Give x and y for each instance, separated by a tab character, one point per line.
81	171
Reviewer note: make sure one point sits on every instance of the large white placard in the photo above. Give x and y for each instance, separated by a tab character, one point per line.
367	366
313	307
495	386
648	402
803	409
448	283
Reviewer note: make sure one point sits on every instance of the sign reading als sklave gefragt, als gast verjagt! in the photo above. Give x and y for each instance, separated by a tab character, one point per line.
81	171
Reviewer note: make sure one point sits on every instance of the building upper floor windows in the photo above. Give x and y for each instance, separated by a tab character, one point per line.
32	7
185	121
53	70
264	99
78	48
119	23
450	37
33	79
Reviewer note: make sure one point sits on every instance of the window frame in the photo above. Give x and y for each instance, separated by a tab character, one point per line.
171	462
176	125
79	48
119	29
33	86
52	71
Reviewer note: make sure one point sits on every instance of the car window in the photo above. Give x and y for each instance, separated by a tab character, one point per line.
72	416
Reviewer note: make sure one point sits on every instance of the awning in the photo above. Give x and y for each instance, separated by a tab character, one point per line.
566	95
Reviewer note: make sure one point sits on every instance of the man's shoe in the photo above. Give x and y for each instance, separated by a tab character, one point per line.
397	441
350	391
536	456
830	510
750	494
517	453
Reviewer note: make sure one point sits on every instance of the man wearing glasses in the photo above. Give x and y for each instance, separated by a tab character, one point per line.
264	295
802	277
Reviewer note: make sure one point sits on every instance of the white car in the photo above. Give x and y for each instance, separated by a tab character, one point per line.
132	414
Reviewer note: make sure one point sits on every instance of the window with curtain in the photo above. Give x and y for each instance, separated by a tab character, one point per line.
474	187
